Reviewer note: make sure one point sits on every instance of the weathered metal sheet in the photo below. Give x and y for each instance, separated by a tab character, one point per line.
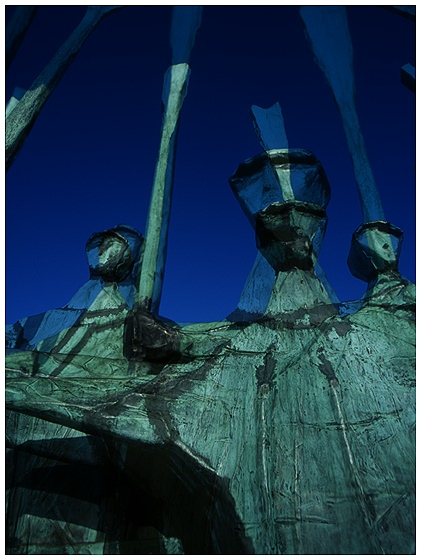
304	421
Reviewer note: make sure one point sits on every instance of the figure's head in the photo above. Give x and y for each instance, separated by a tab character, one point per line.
284	194
112	253
375	249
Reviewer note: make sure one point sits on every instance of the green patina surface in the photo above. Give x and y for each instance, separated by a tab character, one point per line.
293	434
289	434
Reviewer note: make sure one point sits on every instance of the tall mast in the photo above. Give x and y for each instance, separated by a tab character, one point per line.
185	23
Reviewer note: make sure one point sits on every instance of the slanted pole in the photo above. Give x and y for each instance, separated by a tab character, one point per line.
16	30
21	119
328	32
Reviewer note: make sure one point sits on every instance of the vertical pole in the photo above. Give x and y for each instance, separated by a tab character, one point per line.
153	264
270	129
184	25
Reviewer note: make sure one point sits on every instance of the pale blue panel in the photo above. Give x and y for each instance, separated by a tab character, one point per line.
269	126
185	23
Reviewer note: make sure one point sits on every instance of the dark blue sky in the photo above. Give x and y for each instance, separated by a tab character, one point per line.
89	161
